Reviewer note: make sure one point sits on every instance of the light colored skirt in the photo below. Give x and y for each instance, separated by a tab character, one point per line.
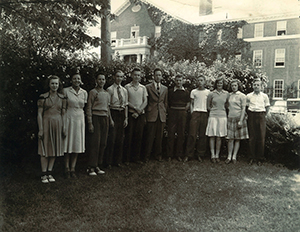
235	132
216	127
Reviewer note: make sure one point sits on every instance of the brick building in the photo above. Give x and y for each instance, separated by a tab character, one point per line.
275	46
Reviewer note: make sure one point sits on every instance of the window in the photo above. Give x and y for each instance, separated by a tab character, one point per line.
135	31
113	36
259	30
157	31
240	33
279	57
278	88
281	28
257	58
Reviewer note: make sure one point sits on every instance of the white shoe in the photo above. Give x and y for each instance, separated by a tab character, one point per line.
51	179
91	172
99	171
44	179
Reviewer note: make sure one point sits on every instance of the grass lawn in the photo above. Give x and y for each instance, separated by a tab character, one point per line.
158	196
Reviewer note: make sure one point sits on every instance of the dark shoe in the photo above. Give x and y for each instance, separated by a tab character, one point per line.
186	159
213	160
73	175
227	161
199	159
179	159
169	159
259	163
217	160
234	161
67	175
250	161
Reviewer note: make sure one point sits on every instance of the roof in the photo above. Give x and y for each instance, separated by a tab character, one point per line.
229	10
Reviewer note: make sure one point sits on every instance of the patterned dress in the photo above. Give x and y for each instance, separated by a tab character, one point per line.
52	143
75	126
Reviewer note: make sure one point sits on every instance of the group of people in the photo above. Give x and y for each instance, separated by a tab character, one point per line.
117	116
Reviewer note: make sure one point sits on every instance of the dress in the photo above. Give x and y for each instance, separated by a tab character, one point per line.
52	143
75	126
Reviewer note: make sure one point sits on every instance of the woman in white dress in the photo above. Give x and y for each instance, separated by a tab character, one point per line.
75	125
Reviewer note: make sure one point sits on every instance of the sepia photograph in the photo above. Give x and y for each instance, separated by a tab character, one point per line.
150	115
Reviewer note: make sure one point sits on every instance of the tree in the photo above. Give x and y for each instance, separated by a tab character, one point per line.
180	40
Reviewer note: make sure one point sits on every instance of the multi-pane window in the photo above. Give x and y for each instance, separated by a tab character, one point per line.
278	88
257	58
279	57
281	28
113	37
135	31
240	33
259	30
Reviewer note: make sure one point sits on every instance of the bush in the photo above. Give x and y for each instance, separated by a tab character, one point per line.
23	80
283	140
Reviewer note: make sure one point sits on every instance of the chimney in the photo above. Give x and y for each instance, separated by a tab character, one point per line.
205	7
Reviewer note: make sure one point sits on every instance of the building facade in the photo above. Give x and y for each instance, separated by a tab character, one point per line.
130	32
275	48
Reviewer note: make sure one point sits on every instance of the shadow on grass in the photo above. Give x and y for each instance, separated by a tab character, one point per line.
157	196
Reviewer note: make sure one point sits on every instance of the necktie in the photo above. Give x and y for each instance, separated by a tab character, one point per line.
157	88
120	96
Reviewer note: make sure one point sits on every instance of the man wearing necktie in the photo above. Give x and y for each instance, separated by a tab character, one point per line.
156	112
119	113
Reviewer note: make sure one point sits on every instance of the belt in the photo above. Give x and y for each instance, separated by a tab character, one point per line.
177	108
117	109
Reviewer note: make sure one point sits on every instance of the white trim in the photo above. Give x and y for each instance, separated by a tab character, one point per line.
258	39
122	8
255	52
281	26
277	50
282	89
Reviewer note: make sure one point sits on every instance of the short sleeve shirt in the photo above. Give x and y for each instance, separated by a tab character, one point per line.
200	99
136	94
217	103
236	103
257	102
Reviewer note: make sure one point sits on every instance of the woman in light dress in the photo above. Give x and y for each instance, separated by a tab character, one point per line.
75	125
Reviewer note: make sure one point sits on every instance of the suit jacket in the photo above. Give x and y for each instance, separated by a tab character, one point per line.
157	103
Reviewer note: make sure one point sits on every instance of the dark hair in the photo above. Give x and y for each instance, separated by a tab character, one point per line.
220	78
98	74
136	69
156	70
201	76
53	77
117	71
179	75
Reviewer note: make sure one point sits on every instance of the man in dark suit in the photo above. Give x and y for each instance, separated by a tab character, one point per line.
156	113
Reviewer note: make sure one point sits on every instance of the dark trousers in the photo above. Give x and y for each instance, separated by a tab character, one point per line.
97	141
154	138
198	126
176	125
133	138
116	138
257	134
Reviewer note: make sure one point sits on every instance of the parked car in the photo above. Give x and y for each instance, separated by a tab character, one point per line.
279	107
293	106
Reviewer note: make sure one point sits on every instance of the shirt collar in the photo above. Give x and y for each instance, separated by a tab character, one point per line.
156	84
216	91
116	86
72	90
236	93
181	88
